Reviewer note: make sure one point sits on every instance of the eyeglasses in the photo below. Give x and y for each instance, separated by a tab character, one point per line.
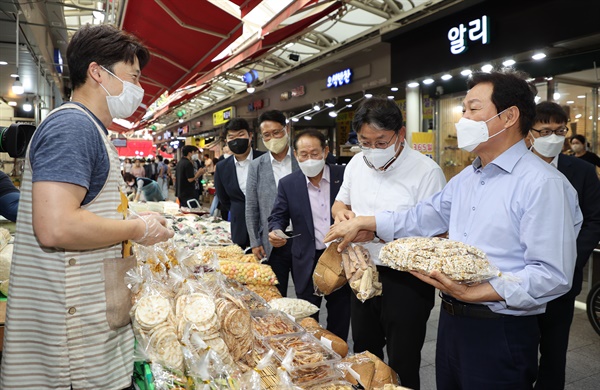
274	133
377	144
312	156
546	132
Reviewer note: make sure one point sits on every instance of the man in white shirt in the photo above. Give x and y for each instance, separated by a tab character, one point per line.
264	174
387	175
230	178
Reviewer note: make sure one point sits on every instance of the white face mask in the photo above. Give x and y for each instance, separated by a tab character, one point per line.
195	156
311	168
380	158
124	105
549	146
471	133
277	145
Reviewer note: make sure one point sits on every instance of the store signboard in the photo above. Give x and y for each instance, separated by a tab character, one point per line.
340	78
223	116
423	142
477	29
258	105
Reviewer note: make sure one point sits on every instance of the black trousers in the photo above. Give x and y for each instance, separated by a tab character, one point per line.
337	303
555	325
486	353
398	320
280	261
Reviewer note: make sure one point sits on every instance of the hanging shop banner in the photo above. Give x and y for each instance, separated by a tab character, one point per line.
423	142
344	126
223	116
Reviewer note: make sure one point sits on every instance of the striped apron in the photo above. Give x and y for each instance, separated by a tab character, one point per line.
56	334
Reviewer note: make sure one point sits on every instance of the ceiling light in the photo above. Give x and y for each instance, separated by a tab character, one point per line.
316	107
307	117
538	56
3	63
180	120
391	97
590	118
14	75
570	101
294	119
394	89
347	100
332	114
577	116
349	105
17	87
12	103
509	62
487	68
446	77
466	72
556	96
250	89
428	81
581	96
537	99
413	84
329	104
27	106
98	15
368	95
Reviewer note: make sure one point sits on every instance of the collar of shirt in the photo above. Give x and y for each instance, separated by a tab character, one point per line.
401	157
286	159
554	161
246	161
508	159
324	177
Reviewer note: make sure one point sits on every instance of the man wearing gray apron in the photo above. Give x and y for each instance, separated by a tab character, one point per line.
60	329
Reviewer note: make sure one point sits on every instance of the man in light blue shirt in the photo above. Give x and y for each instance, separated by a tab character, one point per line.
516	208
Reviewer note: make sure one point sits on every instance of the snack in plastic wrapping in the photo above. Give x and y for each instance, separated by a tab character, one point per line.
248	272
333	385
297	308
367	370
268	293
236	328
327	338
361	272
273	323
458	261
329	275
230	252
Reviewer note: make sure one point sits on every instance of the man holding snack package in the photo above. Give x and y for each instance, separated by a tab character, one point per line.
305	197
64	326
388	175
518	210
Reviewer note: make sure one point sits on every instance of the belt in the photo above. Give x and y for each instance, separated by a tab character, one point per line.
462	309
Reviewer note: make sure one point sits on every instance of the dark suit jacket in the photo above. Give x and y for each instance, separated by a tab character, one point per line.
232	198
582	176
293	203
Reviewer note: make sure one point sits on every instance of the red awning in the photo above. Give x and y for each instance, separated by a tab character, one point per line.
140	148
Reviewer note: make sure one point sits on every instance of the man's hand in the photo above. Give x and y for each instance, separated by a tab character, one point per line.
276	241
259	252
480	292
348	230
344	215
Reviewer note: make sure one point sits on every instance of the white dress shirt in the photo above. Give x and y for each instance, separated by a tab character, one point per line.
241	170
410	179
319	198
281	168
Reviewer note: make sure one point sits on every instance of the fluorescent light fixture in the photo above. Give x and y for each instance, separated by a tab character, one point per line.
446	77
3	63
294	119
570	101
590	118
307	117
538	56
17	87
466	72
394	89
250	89
12	103
391	97
428	81
577	116
27	105
329	104
556	96
368	95
487	68
332	114
413	84
14	75
509	62
347	100
581	96
349	105
316	107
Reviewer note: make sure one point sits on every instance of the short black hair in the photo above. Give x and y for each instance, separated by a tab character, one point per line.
187	149
236	124
105	45
509	88
273	115
159	157
379	112
128	177
579	138
550	112
311	133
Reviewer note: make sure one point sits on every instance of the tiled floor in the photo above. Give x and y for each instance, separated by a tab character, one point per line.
583	359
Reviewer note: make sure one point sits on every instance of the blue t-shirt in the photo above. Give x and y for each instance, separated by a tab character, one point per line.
68	148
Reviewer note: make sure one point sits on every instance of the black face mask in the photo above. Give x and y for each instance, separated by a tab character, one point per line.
238	145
